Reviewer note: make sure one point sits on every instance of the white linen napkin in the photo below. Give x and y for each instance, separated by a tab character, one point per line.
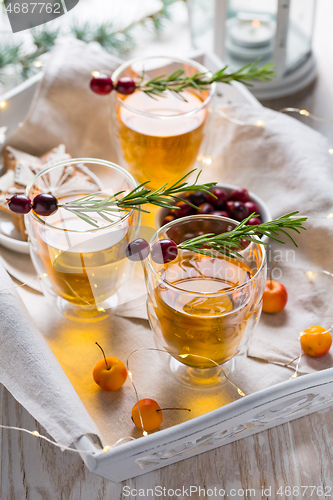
31	372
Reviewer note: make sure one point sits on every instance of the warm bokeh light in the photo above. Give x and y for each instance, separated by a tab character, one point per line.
256	23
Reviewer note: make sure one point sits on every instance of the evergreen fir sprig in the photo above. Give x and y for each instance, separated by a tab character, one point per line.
177	82
113	39
228	243
141	195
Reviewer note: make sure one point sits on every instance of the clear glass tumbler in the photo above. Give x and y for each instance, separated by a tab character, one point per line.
158	139
203	309
82	266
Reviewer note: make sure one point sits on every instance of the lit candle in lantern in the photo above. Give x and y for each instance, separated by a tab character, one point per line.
251	34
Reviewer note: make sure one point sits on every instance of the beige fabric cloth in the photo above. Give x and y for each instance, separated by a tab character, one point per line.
65	110
286	163
289	166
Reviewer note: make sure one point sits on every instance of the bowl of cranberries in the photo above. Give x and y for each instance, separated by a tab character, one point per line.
228	201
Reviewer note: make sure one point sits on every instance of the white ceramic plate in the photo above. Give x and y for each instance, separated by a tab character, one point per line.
10	237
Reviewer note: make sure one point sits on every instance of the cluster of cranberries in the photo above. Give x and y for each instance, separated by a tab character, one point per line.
161	252
42	204
237	205
102	84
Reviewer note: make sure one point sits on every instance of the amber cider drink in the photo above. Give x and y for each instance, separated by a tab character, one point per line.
203	313
160	142
84	271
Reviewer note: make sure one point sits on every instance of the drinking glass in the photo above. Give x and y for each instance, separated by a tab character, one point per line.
82	266
158	139
203	309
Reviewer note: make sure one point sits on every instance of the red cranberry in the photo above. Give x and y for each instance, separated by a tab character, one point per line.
240	195
253	222
183	210
45	204
221	197
137	250
101	84
20	204
198	198
237	210
252	207
167	219
125	85
164	251
221	213
205	208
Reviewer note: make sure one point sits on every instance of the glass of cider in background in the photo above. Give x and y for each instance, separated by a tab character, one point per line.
82	266
203	309
158	139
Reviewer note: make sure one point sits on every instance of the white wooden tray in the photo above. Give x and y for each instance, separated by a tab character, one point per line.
260	411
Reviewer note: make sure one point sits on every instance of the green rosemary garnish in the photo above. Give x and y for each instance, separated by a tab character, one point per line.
228	243
176	82
141	195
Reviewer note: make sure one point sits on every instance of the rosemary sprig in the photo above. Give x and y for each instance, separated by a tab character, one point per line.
228	243
177	82
141	195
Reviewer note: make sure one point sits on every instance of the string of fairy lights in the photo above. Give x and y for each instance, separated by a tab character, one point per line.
261	124
106	448
311	275
205	160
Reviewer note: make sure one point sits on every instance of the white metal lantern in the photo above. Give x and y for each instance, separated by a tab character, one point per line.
240	31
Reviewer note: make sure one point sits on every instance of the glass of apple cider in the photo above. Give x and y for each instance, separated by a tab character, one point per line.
159	139
82	266
203	309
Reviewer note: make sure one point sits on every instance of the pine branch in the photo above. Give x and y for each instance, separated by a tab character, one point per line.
9	55
113	40
44	38
159	18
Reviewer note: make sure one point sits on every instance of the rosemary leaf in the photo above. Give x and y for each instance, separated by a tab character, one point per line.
178	81
163	197
226	243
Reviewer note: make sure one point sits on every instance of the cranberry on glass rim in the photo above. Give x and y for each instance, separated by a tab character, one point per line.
45	204
137	249
125	85
101	84
20	204
164	251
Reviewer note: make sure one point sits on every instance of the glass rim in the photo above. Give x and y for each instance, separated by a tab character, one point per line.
191	62
75	161
204	216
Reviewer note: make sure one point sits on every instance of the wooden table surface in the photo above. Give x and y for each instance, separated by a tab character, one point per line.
296	454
